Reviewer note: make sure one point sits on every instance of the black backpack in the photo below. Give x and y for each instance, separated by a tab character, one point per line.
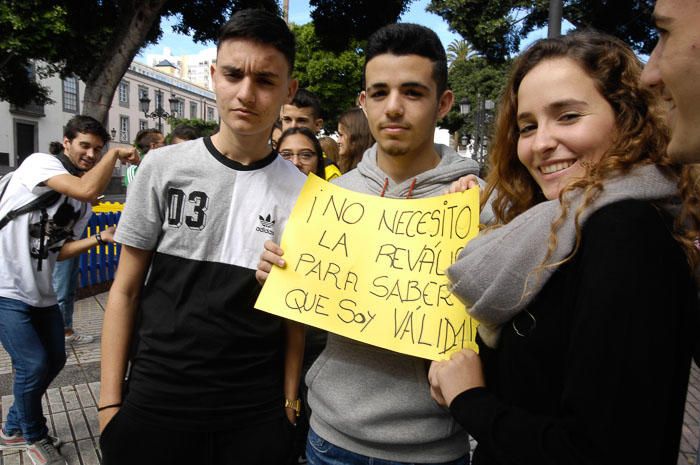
42	202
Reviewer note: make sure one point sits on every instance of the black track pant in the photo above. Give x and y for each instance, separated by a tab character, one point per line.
127	440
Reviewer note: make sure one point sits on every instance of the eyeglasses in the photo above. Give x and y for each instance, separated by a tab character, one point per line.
305	157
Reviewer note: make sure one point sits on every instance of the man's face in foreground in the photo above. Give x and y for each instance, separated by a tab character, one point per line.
674	70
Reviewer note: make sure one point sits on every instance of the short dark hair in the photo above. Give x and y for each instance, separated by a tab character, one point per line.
85	125
306	132
263	27
145	137
55	147
304	98
410	39
185	132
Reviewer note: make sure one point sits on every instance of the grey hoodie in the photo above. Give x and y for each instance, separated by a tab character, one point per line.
372	401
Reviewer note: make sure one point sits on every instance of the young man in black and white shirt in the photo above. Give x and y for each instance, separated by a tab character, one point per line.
213	380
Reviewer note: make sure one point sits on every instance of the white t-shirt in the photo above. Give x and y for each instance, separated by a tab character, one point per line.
20	239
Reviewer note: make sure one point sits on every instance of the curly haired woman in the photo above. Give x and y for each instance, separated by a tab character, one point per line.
584	289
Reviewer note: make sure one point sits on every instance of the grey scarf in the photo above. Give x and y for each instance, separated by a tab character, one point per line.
494	273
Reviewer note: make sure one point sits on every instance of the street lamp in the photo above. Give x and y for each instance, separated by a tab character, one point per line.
113	133
159	112
481	117
464	107
483	111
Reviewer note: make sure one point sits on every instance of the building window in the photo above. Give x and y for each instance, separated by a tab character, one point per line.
159	100
124	129
178	109
124	94
210	114
143	124
193	113
143	92
70	94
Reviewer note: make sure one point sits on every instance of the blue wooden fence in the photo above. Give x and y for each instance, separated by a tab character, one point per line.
98	264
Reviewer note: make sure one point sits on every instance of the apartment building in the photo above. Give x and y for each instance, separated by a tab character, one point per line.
194	68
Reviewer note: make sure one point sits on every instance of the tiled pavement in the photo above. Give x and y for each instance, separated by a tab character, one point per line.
70	403
691	433
71	399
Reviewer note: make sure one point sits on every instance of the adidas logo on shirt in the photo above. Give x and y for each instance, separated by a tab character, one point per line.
265	225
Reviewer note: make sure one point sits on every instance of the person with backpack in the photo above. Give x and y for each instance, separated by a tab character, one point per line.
44	207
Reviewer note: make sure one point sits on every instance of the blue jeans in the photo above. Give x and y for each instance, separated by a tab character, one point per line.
321	452
65	281
33	337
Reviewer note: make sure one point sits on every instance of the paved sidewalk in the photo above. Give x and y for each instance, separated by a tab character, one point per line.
691	430
70	403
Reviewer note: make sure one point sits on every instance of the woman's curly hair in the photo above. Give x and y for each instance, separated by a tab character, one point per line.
640	138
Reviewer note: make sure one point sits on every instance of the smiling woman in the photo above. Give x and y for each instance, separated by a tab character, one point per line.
585	341
565	124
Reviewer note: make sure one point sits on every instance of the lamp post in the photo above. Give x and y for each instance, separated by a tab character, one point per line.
159	112
464	106
481	120
113	140
464	110
483	113
555	16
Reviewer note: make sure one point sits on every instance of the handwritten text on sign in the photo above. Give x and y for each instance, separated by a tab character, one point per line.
373	269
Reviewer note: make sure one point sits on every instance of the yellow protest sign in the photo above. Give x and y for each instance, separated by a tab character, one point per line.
373	269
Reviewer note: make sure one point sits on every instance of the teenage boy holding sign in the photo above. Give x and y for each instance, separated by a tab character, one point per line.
368	402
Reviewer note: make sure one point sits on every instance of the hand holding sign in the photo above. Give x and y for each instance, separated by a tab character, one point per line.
373	269
449	378
271	256
462	184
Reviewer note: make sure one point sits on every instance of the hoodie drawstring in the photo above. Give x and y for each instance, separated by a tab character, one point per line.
386	183
410	189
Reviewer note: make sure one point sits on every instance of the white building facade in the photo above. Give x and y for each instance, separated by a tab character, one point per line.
194	68
30	129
